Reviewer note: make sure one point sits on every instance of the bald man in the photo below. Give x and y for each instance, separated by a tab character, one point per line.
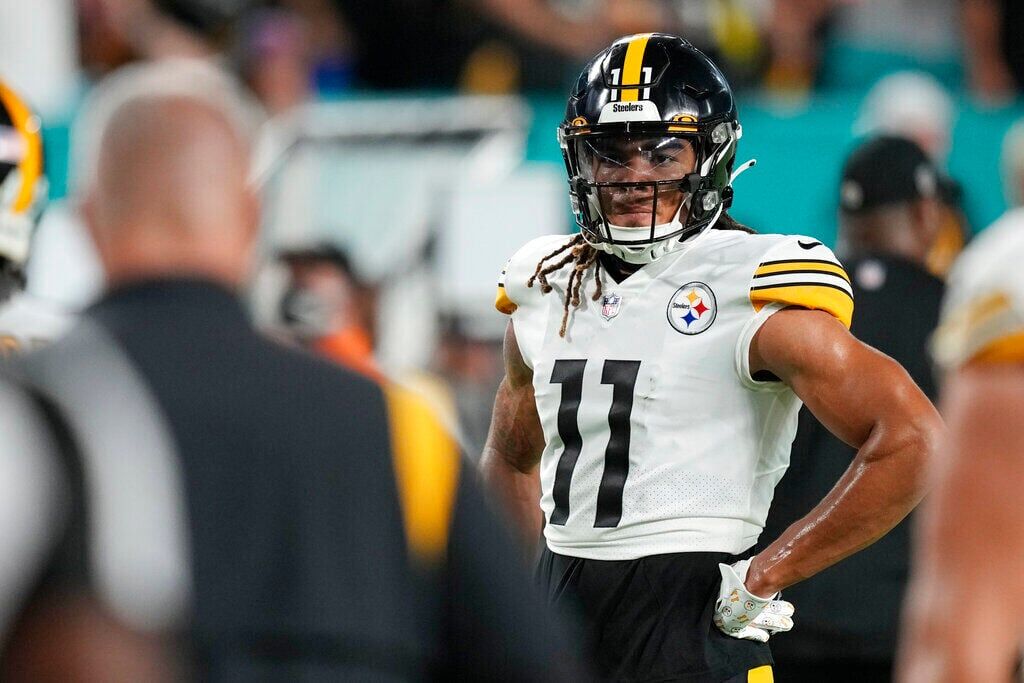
224	508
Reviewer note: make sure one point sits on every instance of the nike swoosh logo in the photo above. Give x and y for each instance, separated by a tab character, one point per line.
808	245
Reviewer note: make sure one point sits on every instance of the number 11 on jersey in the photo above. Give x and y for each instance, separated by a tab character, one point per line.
621	374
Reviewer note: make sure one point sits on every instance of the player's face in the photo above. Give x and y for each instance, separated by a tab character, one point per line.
639	159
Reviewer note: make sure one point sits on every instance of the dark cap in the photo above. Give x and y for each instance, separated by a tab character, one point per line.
886	170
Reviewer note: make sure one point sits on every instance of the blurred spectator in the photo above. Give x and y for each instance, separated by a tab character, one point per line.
327	308
889	221
472	366
851	44
513	43
112	33
993	50
249	512
275	60
25	322
914	105
794	36
1013	165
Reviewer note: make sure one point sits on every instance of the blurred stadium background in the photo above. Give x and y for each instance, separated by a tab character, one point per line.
419	135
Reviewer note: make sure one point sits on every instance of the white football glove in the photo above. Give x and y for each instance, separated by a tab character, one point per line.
741	614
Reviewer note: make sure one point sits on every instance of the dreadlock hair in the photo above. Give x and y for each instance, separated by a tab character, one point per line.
582	255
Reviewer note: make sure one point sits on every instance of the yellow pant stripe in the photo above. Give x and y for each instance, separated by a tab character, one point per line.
427	465
632	67
762	674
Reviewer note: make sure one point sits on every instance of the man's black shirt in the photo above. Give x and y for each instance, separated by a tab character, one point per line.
300	494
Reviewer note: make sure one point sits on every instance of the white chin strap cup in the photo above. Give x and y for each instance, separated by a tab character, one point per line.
646	253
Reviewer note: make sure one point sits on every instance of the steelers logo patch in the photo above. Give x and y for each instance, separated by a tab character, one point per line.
692	309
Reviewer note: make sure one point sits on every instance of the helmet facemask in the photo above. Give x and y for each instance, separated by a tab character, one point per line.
641	195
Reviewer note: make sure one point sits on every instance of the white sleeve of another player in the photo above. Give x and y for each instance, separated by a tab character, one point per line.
983	315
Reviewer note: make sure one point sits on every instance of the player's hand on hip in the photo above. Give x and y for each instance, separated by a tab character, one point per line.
741	614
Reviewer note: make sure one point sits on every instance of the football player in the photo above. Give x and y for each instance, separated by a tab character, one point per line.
24	322
970	544
655	364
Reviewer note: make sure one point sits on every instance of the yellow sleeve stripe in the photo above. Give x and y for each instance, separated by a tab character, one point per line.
31	165
795	266
816	296
762	674
1007	349
427	465
503	303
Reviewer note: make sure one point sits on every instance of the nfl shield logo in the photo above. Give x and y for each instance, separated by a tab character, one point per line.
610	306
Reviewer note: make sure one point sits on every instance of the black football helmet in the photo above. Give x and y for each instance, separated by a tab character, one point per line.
650	124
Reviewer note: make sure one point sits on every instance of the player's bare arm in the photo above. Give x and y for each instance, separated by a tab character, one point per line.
970	544
514	444
866	399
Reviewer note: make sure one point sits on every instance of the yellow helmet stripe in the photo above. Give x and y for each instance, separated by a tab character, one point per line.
632	67
31	166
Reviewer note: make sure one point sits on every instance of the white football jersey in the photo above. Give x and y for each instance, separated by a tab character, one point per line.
983	314
658	440
27	322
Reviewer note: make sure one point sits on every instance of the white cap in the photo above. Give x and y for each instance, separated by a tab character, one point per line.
911	104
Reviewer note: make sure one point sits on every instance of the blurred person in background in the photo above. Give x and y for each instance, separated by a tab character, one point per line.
327	308
912	105
112	33
484	45
25	321
1012	161
889	221
470	363
969	543
217	506
851	44
275	60
993	51
916	106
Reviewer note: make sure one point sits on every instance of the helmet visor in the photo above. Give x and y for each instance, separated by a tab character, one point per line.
639	180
